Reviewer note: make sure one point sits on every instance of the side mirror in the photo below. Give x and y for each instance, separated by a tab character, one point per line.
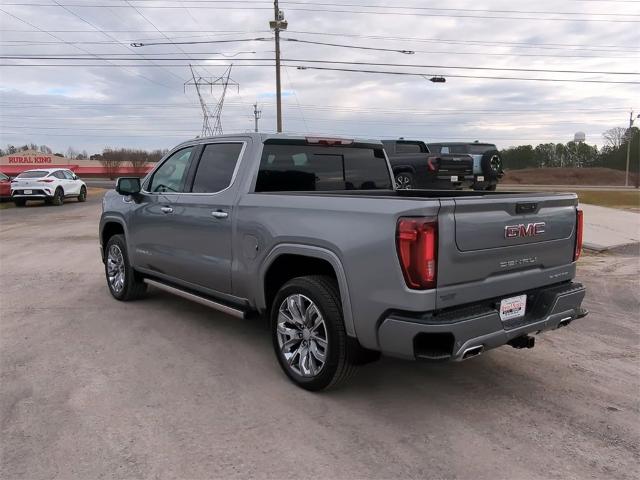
128	185
75	177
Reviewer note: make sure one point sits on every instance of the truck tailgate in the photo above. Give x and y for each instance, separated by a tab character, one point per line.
502	244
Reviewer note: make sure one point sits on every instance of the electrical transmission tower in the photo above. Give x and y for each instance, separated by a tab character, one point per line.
210	116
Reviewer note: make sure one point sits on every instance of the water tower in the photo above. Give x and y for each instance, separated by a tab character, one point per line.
578	138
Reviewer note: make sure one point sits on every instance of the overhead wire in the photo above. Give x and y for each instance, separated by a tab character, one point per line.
123	67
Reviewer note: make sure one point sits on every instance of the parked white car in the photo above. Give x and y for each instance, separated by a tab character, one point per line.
52	185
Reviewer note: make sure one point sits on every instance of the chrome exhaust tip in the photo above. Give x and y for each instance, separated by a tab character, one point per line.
472	352
565	321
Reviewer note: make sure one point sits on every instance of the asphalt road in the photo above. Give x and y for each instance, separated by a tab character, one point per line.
163	388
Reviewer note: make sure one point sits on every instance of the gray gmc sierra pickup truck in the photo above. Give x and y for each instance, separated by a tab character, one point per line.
312	233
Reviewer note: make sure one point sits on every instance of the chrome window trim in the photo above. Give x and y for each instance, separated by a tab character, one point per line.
204	145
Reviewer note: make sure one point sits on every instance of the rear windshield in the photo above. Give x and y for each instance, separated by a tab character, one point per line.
409	147
33	174
480	149
302	167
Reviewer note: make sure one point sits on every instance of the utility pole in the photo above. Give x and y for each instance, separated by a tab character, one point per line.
256	114
629	139
278	23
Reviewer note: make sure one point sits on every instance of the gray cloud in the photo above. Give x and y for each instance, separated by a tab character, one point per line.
146	107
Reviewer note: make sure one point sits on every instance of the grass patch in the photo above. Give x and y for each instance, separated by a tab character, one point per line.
611	198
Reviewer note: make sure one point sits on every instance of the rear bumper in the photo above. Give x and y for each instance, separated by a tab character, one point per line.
35	193
449	334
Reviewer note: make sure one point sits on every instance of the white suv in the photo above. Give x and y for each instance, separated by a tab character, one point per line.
52	185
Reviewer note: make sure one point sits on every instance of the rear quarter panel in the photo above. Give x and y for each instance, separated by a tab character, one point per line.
359	231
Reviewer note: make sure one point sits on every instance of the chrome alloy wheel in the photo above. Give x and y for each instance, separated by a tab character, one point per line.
302	335
403	181
115	268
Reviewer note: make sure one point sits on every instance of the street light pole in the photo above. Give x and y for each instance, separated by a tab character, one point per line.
278	23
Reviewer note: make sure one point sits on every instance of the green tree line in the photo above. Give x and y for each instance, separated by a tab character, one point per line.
573	154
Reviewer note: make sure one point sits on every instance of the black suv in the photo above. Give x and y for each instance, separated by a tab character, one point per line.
487	162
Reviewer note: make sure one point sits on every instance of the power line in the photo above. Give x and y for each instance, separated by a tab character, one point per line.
481	10
124	67
340	62
103	33
553	46
329	10
302	67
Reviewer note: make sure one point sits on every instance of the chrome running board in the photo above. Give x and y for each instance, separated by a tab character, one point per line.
197	298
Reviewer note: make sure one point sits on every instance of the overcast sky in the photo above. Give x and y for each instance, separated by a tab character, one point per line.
92	107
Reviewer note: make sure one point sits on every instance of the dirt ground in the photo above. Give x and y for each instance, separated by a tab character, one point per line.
567	176
164	388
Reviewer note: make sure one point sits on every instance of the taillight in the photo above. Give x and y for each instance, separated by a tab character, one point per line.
45	180
433	163
579	230
417	245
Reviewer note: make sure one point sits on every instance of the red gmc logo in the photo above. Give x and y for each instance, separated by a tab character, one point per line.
522	230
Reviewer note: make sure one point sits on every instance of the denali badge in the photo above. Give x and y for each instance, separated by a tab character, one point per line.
518	262
522	230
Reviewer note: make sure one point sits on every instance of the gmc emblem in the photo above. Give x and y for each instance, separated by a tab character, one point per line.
522	230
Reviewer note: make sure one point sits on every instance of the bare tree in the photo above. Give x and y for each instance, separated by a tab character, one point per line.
111	162
72	153
614	137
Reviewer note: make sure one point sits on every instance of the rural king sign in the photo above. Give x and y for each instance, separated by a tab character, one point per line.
29	159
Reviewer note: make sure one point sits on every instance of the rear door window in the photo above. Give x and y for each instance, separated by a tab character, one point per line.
299	166
215	169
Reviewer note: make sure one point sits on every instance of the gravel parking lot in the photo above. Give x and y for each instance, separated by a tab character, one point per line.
163	388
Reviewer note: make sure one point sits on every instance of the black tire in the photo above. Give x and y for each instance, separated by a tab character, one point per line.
339	354
20	202
491	164
58	197
83	194
404	180
492	187
133	286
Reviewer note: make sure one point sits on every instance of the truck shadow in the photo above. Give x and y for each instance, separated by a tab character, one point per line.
498	373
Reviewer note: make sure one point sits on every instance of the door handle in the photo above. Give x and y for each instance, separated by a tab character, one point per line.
219	214
166	210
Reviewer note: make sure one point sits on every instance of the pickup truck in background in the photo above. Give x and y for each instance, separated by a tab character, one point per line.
487	161
311	233
414	166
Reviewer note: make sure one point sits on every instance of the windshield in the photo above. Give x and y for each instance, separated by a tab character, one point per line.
3	177
33	174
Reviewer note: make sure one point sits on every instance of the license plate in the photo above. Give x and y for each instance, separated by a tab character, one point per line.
454	178
480	178
28	192
513	307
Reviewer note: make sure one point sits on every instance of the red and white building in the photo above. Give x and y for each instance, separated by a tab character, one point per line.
14	163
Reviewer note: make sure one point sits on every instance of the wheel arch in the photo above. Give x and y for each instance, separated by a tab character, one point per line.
286	261
110	226
403	169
